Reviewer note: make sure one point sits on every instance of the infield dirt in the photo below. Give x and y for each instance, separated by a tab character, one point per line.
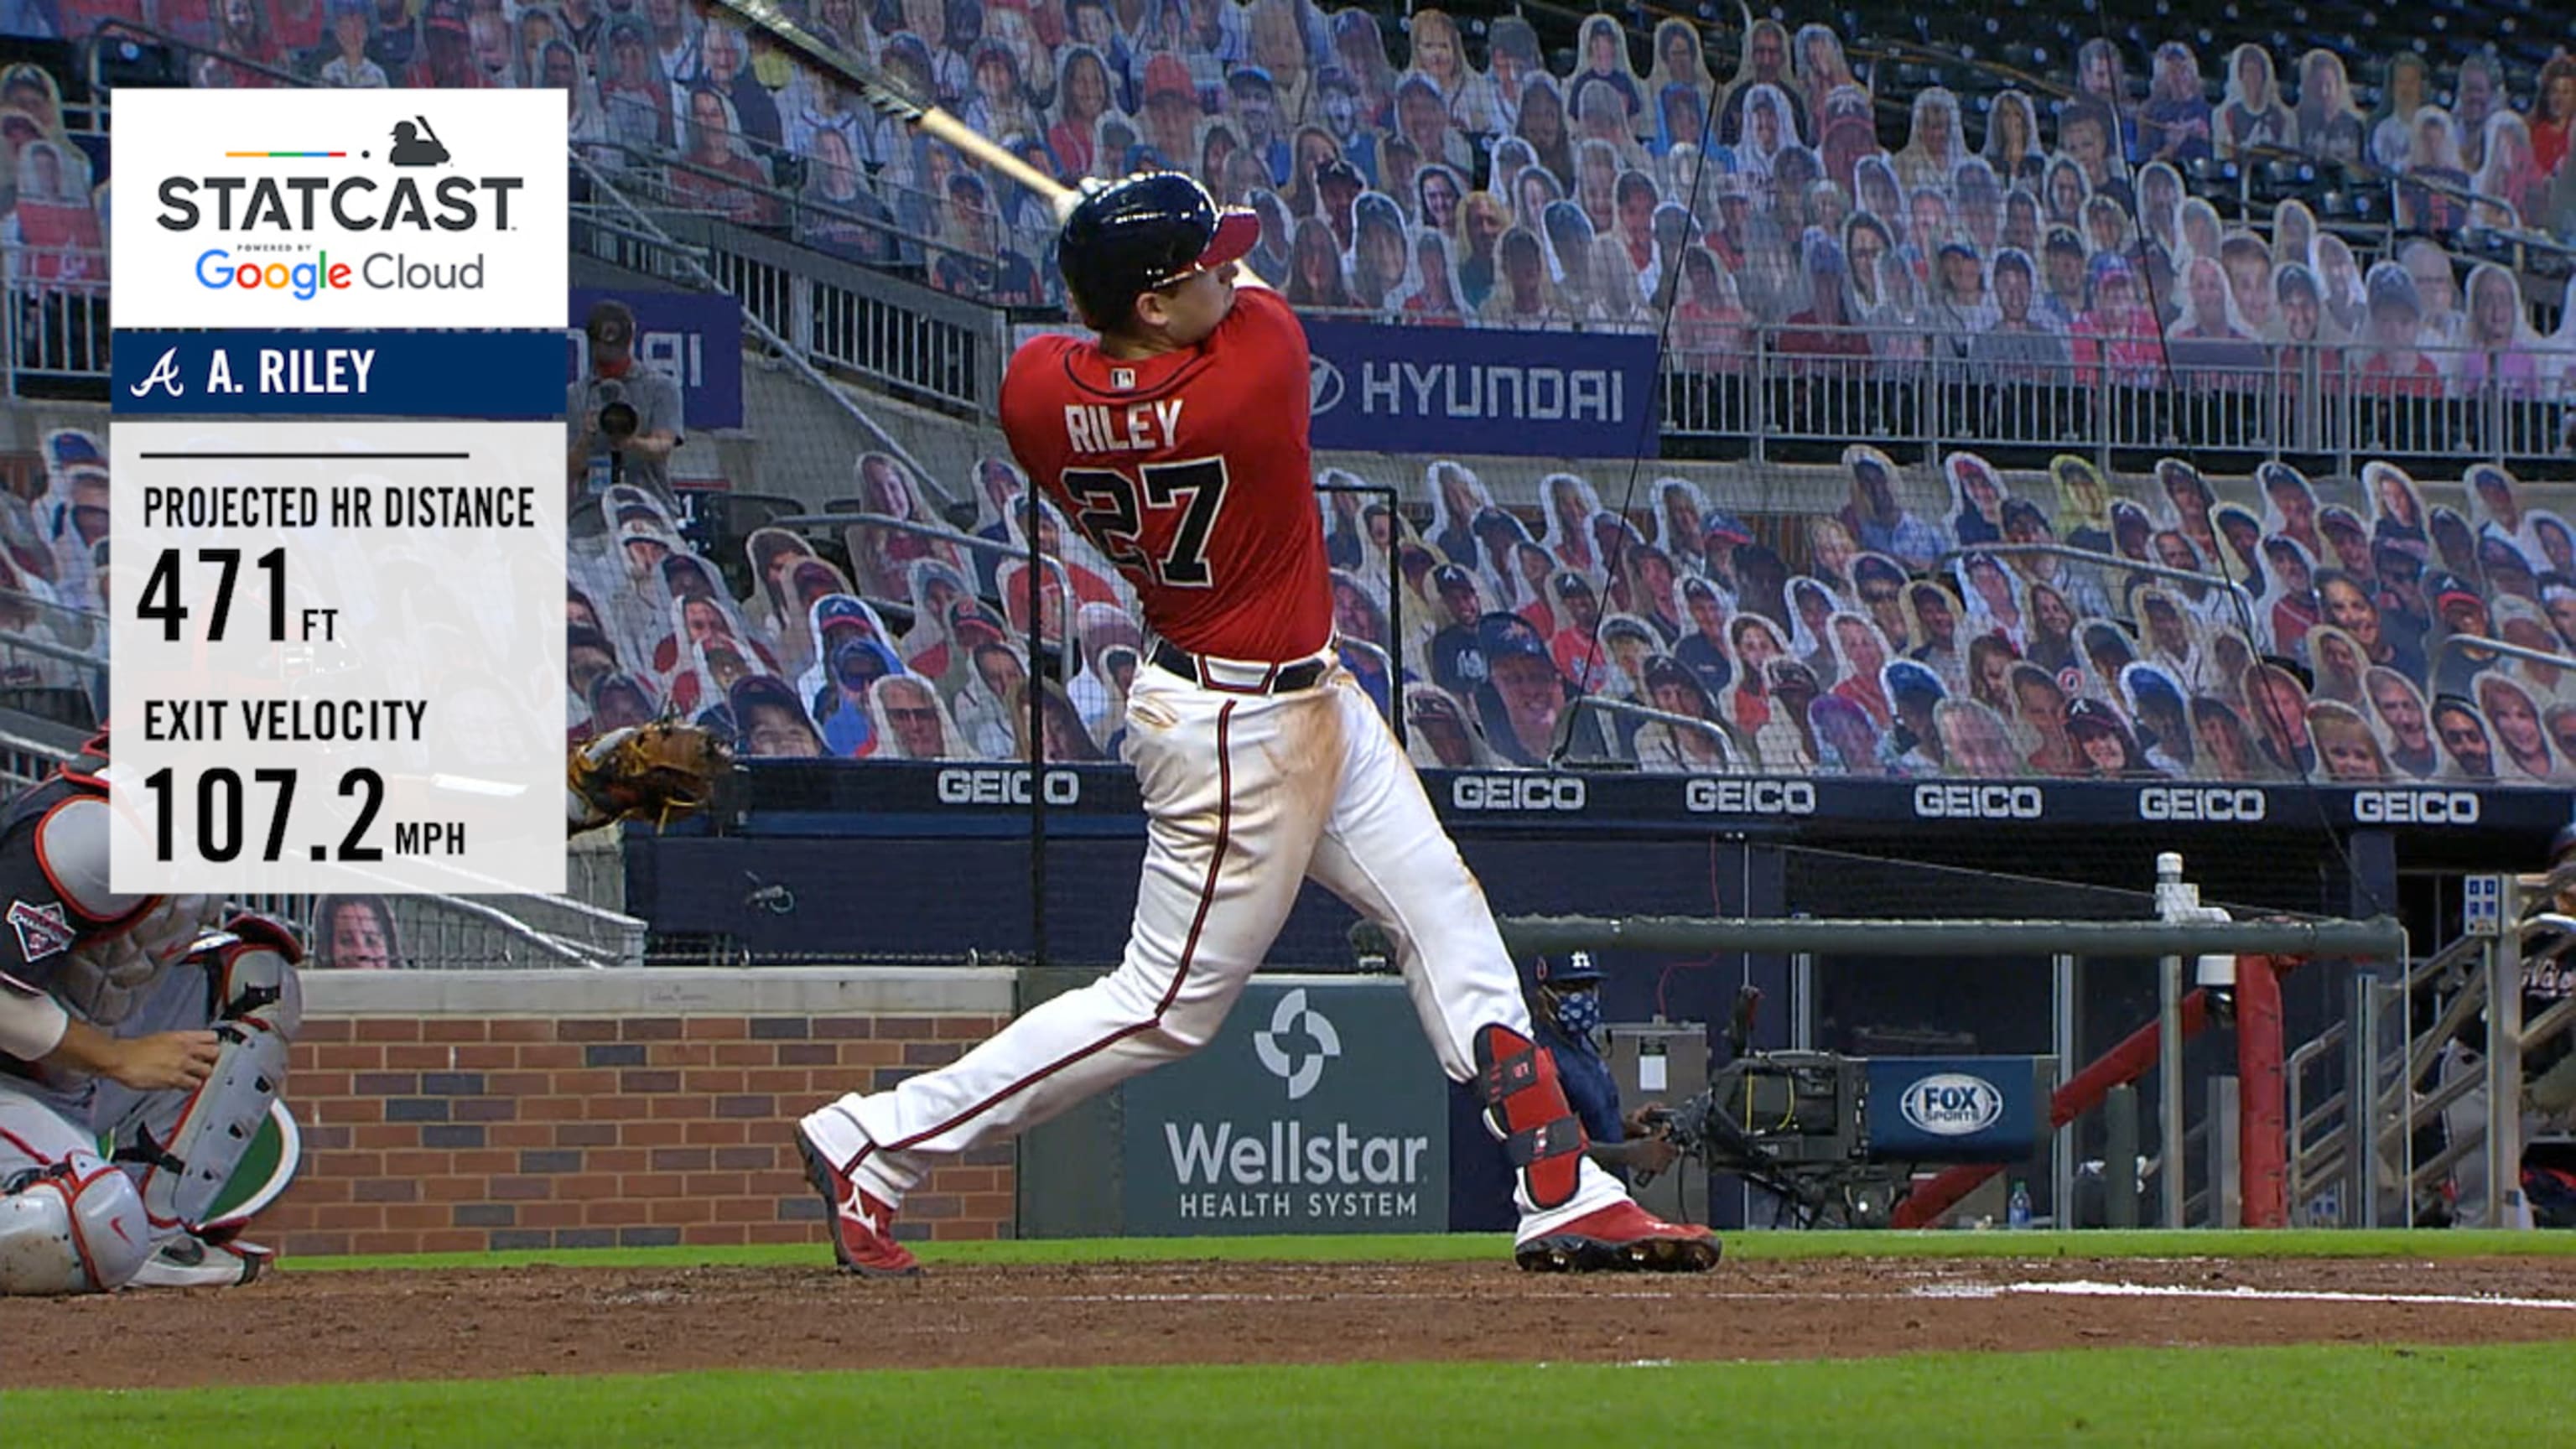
415	1324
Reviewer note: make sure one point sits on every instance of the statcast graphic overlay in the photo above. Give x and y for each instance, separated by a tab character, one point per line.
338	657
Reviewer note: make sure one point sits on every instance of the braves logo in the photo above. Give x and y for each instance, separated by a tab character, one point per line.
42	930
165	376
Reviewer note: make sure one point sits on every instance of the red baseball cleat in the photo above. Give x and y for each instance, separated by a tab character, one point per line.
1620	1238
862	1227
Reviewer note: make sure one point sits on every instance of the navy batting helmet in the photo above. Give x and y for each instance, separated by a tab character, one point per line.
1142	233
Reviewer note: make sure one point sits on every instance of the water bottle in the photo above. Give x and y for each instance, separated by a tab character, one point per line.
2017	1210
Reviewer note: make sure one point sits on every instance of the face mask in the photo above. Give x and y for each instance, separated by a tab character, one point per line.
1579	1014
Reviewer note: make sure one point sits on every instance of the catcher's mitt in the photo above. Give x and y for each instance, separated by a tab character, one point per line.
658	772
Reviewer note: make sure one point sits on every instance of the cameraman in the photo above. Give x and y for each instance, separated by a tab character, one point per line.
633	442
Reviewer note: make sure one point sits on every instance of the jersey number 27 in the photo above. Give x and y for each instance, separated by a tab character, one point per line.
1114	513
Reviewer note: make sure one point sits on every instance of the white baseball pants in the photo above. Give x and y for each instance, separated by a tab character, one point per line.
1246	795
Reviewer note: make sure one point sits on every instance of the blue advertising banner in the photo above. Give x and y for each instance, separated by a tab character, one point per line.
1956	1109
688	335
501	376
1453	390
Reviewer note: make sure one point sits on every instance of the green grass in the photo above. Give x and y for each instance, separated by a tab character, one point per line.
2298	1396
1483	1247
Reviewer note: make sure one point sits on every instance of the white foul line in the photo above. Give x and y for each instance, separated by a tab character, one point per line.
2081	1288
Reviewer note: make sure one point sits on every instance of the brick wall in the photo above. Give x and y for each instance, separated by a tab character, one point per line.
449	1130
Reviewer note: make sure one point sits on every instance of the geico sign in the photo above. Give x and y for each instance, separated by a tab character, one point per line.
1516	792
1749	797
1005	787
1977	802
2159	802
2415	807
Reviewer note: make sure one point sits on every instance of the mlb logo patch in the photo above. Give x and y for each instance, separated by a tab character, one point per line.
1122	378
42	930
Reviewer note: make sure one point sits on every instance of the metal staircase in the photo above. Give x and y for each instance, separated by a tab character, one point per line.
2380	1165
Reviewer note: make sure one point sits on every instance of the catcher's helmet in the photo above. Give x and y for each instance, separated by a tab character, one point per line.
1144	232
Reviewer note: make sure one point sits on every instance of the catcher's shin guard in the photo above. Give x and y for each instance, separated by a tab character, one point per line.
1525	1107
74	1226
189	1143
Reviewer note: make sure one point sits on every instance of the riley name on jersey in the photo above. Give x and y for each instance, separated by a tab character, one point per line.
1140	428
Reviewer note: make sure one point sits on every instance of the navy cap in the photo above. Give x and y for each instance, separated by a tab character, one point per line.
1502	635
2089	716
760	689
1451	576
842	609
1718	523
2495	553
1571	968
2277	476
1665	669
1908	678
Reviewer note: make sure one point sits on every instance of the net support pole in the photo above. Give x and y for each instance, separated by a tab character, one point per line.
2171	1170
2065	1010
2504	1060
2262	1130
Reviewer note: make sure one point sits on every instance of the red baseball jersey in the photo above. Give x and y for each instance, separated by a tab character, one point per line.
1190	471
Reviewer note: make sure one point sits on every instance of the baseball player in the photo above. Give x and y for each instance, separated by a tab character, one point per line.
1569	1018
121	1018
1178	441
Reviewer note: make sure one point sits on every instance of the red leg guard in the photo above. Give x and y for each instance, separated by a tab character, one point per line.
1526	1105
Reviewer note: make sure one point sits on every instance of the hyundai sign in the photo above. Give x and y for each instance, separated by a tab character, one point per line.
1455	390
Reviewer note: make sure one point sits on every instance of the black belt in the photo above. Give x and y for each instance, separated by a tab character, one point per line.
1282	678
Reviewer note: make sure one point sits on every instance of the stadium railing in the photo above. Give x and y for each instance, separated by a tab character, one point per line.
1597	704
56	323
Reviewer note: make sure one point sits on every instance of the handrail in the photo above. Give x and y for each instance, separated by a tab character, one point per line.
2087	556
87	618
2479	644
63	653
790	201
1715	732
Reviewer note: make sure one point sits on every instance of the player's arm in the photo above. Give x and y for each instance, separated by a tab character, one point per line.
35	1028
159	1062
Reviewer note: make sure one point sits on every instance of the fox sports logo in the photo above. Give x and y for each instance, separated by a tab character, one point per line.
1951	1104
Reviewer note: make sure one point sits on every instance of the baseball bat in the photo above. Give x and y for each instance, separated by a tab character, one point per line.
893	98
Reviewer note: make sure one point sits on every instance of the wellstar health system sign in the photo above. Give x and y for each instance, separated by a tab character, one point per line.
1317	1109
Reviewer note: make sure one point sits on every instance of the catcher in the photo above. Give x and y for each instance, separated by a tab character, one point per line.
140	1057
660	772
